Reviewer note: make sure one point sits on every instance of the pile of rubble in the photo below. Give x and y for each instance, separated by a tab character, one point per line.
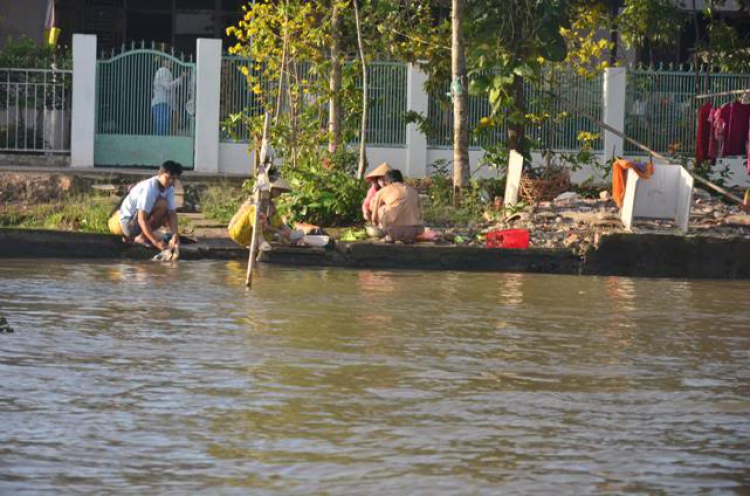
570	221
712	217
576	223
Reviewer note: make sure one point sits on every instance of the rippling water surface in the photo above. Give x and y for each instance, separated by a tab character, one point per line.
140	378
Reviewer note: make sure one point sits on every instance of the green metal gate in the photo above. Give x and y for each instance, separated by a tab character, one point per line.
145	109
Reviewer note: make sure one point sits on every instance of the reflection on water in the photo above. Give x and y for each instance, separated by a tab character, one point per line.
172	378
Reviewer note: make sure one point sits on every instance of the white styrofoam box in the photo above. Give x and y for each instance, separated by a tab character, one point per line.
667	194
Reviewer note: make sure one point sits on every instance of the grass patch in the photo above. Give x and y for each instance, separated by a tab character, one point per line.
448	215
85	214
221	202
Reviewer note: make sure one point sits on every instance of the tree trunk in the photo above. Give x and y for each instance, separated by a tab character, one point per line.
709	54
459	89
285	46
363	132
517	126
696	65
614	9
334	106
294	108
517	129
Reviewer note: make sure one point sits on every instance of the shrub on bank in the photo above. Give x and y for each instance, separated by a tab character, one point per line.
323	196
438	207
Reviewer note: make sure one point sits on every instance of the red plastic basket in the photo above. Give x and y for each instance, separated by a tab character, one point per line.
508	238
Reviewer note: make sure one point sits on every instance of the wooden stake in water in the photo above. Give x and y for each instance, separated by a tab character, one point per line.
261	184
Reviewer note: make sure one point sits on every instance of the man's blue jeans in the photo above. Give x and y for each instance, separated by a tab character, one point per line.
162	115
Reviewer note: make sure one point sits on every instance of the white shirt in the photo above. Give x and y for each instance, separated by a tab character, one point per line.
143	196
163	84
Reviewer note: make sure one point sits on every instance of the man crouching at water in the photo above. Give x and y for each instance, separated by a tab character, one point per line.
147	207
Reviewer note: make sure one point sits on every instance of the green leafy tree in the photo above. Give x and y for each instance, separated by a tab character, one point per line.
650	24
511	43
298	70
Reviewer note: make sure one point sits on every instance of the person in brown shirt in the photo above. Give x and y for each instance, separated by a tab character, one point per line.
396	210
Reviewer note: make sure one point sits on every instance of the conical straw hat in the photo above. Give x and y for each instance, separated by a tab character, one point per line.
379	171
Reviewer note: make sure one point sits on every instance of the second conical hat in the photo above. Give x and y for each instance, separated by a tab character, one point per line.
379	171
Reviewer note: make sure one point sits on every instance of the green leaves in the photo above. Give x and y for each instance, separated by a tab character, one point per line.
656	22
25	53
323	196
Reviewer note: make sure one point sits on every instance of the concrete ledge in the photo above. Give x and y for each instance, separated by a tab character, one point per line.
666	255
39	161
628	255
31	243
27	243
459	258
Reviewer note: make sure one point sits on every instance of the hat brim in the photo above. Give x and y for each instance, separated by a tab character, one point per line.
379	171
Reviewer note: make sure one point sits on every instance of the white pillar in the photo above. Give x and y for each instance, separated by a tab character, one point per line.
207	94
416	142
84	101
614	97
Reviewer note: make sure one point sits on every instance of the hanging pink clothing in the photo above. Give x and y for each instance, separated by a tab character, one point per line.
704	134
719	119
713	145
737	129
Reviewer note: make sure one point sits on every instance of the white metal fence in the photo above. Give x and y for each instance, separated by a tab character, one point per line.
661	109
35	107
386	122
558	131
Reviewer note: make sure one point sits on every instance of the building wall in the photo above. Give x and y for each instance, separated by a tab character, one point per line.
173	23
22	18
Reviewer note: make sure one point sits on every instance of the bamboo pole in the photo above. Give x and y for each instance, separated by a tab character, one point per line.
723	93
260	183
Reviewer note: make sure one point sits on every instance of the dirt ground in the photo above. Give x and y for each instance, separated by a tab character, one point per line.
39	187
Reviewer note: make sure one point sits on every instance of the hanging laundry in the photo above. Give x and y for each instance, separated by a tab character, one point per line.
704	133
735	136
718	119
619	176
713	145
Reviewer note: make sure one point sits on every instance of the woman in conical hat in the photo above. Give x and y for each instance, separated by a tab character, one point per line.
375	178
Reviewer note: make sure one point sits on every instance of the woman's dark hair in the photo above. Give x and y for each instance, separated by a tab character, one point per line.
172	168
394	176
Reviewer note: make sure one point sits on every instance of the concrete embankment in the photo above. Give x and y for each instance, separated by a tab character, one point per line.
645	255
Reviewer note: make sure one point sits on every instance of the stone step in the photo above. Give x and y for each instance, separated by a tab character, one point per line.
198	220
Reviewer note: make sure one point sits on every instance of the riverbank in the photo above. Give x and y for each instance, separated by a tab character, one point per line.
627	255
576	233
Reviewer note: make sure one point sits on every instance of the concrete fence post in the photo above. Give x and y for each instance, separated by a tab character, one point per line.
613	110
416	142
207	99
84	101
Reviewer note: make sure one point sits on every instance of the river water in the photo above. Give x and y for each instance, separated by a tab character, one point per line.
143	378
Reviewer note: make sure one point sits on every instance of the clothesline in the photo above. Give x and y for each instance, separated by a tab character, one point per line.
723	93
723	131
577	110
